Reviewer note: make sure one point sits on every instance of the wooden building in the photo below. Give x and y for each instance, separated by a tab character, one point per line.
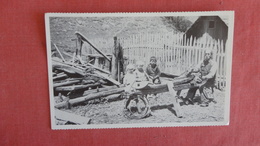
208	26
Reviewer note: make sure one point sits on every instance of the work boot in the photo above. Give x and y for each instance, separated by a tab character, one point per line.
204	104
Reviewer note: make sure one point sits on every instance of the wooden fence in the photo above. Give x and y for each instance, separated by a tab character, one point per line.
175	53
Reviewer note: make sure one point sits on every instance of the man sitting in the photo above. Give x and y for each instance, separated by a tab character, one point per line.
207	69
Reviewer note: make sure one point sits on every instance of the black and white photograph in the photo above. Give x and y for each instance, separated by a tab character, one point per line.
123	70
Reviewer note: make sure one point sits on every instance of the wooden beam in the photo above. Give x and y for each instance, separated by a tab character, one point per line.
97	68
108	78
59	52
65	83
66	70
57	64
66	116
84	38
76	87
99	90
59	77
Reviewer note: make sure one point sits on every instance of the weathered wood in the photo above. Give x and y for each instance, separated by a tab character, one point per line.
57	64
60	98
89	97
68	54
181	80
87	81
160	88
108	78
84	38
65	83
76	87
175	102
114	63
66	70
59	77
77	119
96	55
168	75
59	52
97	68
99	90
153	89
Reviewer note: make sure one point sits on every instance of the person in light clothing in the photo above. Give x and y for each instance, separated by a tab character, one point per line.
129	78
140	73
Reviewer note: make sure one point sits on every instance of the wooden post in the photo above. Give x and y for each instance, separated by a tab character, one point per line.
120	70
114	64
79	44
175	102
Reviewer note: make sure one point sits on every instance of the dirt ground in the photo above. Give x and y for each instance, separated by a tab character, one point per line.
162	111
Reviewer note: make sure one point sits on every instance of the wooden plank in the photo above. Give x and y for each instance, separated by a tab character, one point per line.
59	52
65	83
97	68
66	70
66	116
59	77
108	78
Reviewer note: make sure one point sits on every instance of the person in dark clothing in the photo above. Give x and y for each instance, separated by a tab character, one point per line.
207	69
153	71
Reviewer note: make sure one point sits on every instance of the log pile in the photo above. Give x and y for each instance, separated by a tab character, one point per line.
76	81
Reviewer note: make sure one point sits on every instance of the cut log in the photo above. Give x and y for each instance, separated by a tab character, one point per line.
113	97
76	87
77	119
160	88
93	91
89	97
69	82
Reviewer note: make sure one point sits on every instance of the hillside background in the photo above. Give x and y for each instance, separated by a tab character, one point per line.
62	29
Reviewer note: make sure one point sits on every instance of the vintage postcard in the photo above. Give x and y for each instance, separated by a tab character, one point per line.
123	70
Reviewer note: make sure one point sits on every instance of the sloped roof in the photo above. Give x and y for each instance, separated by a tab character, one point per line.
223	18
